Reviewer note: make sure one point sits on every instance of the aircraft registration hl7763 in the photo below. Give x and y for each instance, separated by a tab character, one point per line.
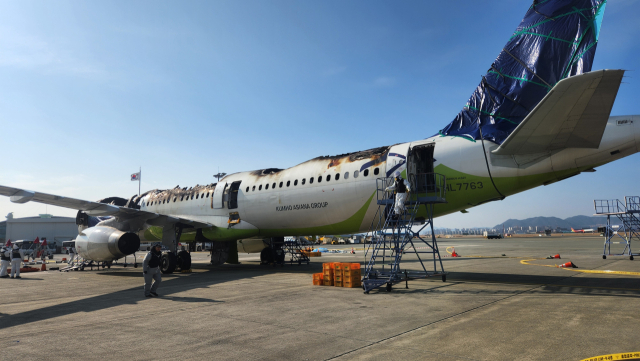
539	115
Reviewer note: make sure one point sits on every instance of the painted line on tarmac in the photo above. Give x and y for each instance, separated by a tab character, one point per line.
616	356
606	272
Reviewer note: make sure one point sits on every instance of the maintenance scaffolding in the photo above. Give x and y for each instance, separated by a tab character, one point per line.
393	236
627	212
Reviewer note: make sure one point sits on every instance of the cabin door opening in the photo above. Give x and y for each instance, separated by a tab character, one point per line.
231	193
420	161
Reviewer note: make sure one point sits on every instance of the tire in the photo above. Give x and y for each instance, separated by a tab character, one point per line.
184	260
631	258
604	257
266	256
219	253
444	278
168	263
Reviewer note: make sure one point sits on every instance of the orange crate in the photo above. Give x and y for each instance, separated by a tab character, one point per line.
328	282
352	283
338	277
328	266
318	283
344	266
337	283
352	276
317	276
351	271
354	266
328	272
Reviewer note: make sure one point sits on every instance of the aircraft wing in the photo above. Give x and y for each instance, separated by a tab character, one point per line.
18	195
573	114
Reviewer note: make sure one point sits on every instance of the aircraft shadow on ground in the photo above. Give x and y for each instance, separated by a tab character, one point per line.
130	296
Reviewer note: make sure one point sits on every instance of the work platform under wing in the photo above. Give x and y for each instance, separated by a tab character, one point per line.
393	235
627	212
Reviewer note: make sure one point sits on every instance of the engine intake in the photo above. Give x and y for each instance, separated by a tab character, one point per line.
106	243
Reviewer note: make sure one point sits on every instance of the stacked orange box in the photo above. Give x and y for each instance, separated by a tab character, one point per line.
352	275
337	276
317	279
327	273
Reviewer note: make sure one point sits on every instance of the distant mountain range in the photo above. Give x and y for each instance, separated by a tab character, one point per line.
576	222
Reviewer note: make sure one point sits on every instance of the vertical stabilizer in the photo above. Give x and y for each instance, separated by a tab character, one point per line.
555	40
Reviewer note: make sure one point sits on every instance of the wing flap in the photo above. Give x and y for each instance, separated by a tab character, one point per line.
573	114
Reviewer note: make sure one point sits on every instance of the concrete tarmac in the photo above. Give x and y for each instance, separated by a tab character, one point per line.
491	308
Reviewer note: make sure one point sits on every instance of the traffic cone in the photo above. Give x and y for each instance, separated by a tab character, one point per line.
567	265
554	257
454	254
44	267
353	251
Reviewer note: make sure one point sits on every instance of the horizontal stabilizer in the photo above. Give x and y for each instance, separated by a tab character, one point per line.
573	114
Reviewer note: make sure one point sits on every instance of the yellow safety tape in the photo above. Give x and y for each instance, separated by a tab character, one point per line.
608	272
615	356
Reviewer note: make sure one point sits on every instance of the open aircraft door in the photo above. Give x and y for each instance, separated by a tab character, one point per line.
420	161
217	201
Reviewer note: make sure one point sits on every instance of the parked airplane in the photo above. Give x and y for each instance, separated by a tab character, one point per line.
538	116
586	230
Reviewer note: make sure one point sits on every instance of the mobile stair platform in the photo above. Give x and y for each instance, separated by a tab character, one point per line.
394	237
627	212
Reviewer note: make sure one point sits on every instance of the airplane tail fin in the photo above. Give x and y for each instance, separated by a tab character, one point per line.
573	230
555	40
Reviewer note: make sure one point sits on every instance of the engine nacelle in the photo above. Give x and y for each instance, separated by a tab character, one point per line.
106	243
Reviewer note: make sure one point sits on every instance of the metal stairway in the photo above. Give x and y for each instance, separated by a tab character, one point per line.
293	247
392	236
628	213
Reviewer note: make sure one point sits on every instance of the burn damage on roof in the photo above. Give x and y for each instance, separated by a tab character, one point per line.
266	172
375	155
175	194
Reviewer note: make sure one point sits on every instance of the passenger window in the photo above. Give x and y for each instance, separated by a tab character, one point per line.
303	180
266	187
328	177
247	189
175	199
311	180
366	172
288	183
197	195
207	194
337	176
253	189
346	175
280	184
356	173
274	185
260	188
192	196
319	178
376	171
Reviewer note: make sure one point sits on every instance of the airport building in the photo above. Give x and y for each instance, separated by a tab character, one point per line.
54	229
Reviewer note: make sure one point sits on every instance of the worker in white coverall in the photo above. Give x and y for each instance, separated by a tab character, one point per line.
5	261
151	270
17	255
72	255
402	188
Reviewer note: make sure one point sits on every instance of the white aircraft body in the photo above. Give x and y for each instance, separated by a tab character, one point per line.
489	152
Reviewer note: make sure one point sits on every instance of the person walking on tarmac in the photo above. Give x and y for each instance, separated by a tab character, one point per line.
151	270
72	255
402	188
17	255
5	261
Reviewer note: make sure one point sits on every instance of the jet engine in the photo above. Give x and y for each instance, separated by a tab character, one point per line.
106	243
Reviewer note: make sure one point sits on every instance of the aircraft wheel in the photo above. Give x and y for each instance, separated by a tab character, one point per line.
631	258
444	278
135	265
168	262
266	256
184	260
604	257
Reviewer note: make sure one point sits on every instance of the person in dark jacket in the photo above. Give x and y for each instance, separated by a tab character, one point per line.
151	270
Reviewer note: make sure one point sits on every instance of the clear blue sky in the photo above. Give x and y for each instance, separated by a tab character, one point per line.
93	90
